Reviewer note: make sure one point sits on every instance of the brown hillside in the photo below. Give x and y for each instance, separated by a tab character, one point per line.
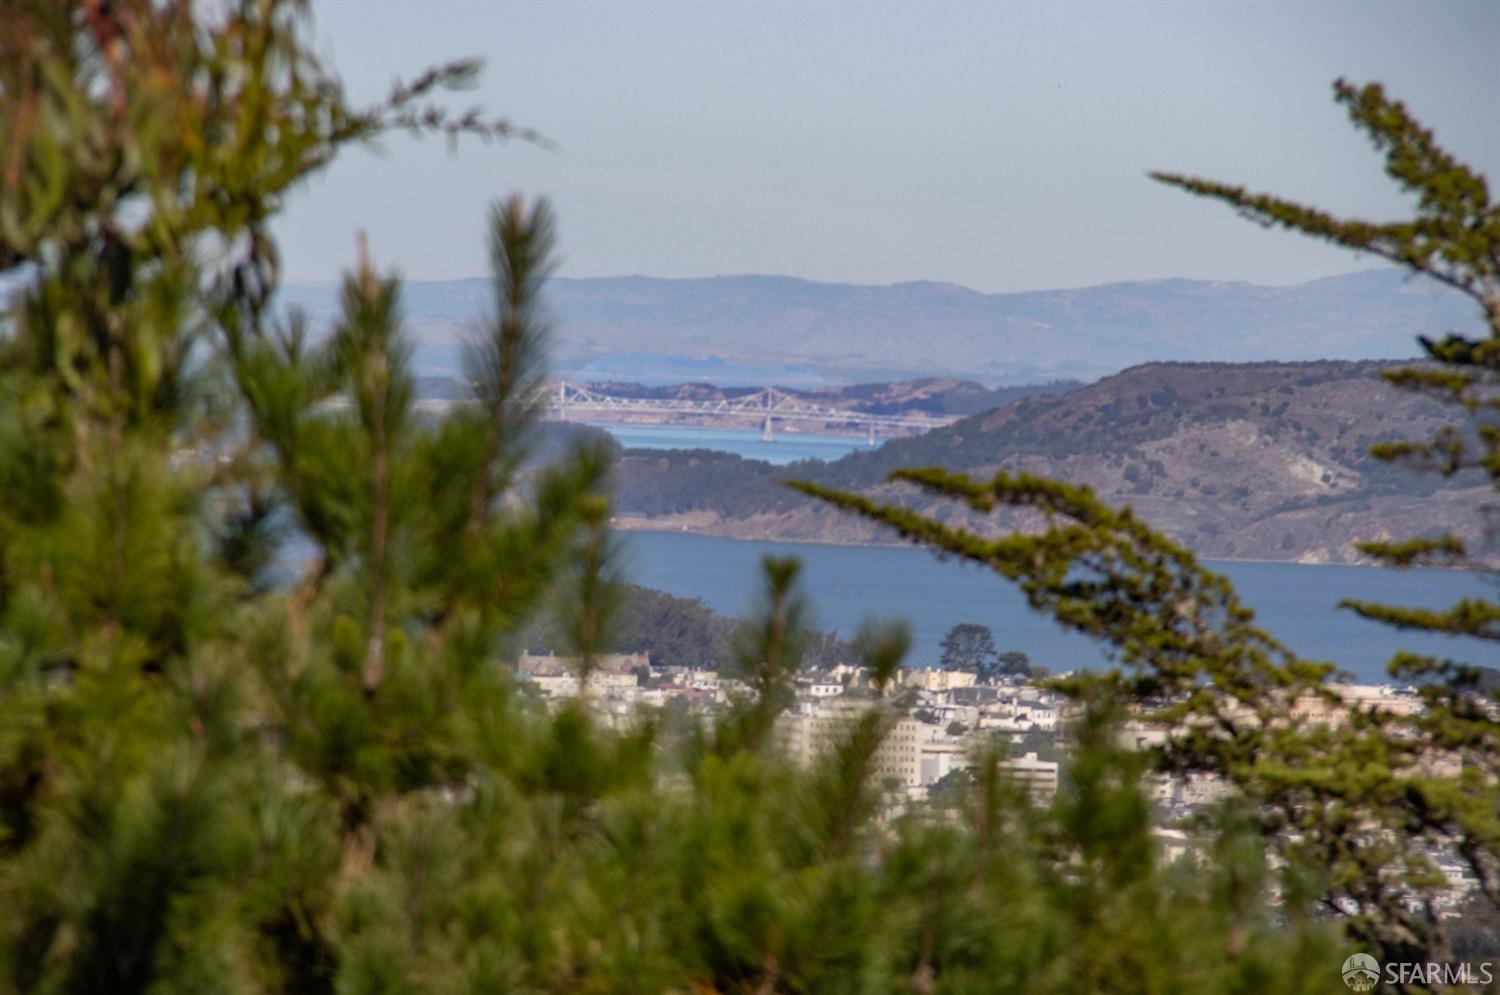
1264	461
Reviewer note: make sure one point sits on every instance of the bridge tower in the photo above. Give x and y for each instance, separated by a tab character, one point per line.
870	435
766	435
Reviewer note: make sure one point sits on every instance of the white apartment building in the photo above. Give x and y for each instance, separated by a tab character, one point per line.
1040	716
941	759
1037	776
703	680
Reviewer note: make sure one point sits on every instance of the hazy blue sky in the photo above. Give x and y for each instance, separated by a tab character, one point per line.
1000	146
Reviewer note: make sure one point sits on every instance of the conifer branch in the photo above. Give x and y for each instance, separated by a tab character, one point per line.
505	366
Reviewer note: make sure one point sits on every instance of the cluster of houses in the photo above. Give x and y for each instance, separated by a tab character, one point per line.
944	715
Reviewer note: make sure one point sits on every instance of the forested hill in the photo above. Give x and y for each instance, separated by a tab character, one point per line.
1263	461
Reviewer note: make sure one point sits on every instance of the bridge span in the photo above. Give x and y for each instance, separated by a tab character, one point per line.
766	407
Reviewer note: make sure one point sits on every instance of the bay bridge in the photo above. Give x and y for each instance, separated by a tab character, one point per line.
767	407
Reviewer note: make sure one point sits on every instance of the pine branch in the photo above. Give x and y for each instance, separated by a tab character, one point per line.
507	364
767	653
378	390
593	597
1444	550
1105	574
1468	617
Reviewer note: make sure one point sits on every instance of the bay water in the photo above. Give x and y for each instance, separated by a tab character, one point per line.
1297	603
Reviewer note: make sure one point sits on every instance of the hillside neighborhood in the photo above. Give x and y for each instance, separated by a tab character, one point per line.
942	722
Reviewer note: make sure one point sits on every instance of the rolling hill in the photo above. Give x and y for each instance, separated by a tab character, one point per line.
1255	461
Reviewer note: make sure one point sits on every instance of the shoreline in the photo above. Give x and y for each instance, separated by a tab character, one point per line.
635	524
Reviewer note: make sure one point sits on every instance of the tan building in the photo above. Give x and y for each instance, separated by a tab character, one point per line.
557	676
807	736
937	679
548	663
1355	697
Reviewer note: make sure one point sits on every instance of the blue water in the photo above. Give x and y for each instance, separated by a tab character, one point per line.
1296	603
787	447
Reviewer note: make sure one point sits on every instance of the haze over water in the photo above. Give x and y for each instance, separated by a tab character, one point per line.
783	449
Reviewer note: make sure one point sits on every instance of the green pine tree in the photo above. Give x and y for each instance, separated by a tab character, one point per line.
227	767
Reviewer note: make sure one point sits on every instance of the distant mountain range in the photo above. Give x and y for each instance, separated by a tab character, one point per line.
1253	461
760	329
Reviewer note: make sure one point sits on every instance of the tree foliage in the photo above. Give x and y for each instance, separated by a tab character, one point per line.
969	646
1368	801
675	631
1454	238
221	771
1014	663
